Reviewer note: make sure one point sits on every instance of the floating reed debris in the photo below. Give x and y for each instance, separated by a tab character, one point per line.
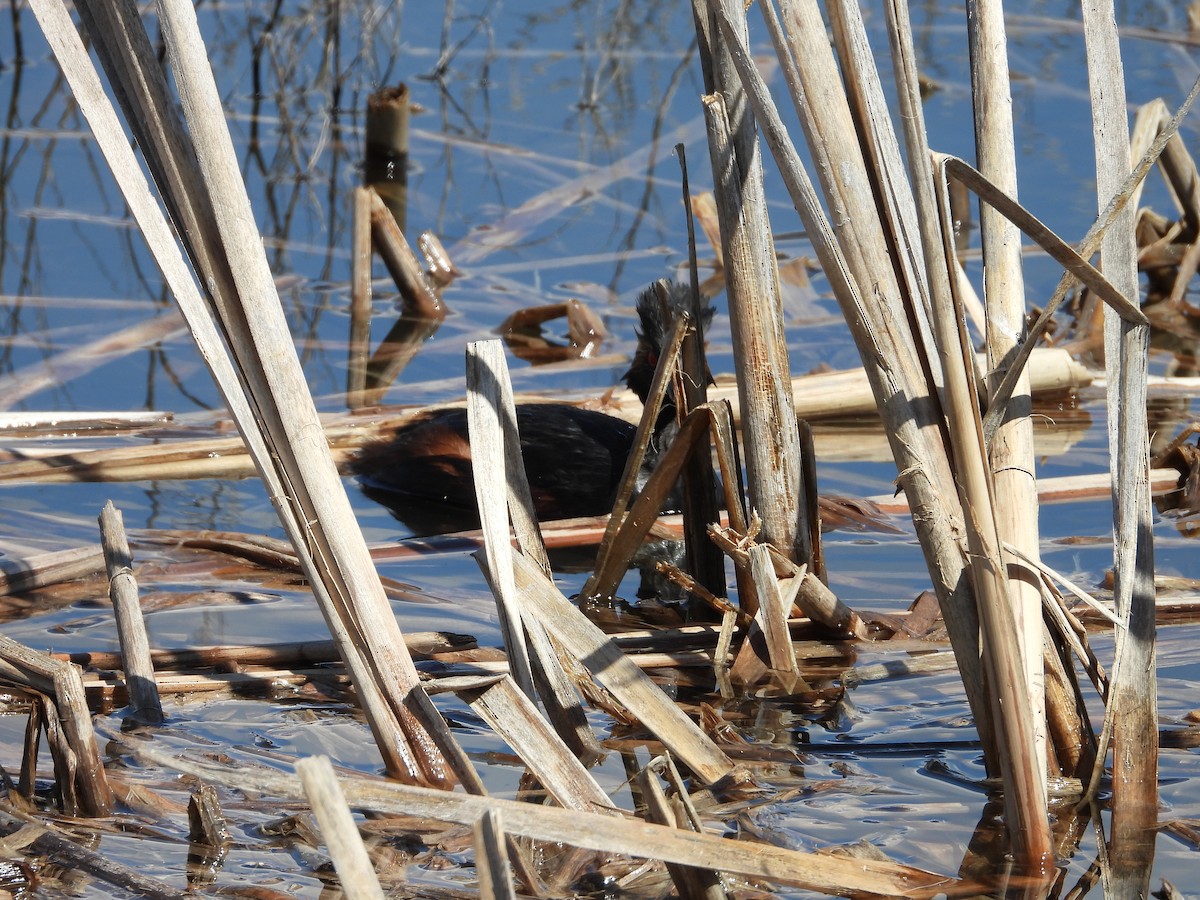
821	872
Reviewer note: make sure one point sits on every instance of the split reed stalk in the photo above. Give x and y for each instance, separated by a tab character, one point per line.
204	191
1133	701
890	359
771	439
1010	450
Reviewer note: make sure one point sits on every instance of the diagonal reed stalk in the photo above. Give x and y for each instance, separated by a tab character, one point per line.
260	379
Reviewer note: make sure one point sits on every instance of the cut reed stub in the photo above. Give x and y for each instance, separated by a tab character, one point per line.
385	165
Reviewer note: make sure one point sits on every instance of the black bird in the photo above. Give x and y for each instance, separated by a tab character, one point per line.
574	457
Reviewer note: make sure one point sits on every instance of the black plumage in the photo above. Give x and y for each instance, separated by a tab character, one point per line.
573	457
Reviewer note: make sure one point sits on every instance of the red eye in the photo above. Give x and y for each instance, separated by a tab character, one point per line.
652	359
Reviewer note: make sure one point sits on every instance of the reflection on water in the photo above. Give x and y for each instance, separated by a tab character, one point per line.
541	155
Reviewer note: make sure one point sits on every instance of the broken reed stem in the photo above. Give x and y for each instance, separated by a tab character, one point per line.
491	858
487	377
502	492
359	341
207	824
747	252
889	356
1012	713
690	881
78	758
411	736
613	555
770	440
516	720
820	872
328	803
144	703
700	493
420	300
385	164
1010	451
1133	698
572	630
321	522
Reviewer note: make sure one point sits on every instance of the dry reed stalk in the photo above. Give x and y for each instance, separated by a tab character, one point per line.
420	300
612	560
355	873
1010	450
612	669
502	491
131	627
492	415
61	681
1012	647
103	691
491	858
420	643
359	340
857	255
289	446
774	604
515	718
487	380
769	437
898	199
24	424
1021	756
54	567
820	872
1132	706
616	549
1056	248
700	495
1063	489
660	809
